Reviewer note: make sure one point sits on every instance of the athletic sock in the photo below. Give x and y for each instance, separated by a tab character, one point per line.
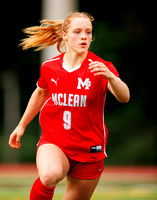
41	192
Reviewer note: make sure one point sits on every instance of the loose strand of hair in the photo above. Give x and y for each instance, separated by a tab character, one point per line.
45	35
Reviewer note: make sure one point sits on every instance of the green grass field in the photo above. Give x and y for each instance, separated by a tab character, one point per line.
18	189
116	183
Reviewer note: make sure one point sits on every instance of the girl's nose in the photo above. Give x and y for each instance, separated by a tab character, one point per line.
83	36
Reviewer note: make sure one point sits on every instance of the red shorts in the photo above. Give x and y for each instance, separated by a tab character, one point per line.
89	170
82	170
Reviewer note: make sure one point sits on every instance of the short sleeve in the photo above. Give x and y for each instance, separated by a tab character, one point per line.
111	67
41	83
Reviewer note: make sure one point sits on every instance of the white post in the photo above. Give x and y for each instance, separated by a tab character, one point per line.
55	10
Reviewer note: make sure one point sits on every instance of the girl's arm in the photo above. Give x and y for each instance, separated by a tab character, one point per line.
116	86
119	89
35	103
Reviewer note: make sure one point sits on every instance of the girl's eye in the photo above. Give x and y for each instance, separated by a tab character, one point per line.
88	32
77	32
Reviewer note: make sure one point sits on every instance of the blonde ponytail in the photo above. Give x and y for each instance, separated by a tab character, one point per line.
50	32
40	37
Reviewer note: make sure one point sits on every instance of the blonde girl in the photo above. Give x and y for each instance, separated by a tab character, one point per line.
70	96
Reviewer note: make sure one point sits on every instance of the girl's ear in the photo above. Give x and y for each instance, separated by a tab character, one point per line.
64	36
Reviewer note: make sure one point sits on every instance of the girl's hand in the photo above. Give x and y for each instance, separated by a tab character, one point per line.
14	140
116	86
98	68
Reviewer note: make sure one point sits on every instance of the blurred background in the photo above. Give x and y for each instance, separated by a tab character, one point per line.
124	33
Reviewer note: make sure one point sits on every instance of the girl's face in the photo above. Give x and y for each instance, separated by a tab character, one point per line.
79	35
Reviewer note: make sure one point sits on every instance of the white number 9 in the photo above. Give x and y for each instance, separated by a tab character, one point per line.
67	120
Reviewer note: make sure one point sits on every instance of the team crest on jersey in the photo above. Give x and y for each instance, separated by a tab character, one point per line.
86	84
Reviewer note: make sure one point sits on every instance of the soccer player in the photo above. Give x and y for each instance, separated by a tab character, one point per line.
70	93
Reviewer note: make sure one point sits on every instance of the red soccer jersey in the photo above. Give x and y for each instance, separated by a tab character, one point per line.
73	115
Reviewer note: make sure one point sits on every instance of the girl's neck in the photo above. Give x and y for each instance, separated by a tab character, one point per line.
72	59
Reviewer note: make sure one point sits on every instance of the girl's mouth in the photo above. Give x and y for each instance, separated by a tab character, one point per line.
83	44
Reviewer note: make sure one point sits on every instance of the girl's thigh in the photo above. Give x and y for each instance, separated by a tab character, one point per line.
52	164
77	189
